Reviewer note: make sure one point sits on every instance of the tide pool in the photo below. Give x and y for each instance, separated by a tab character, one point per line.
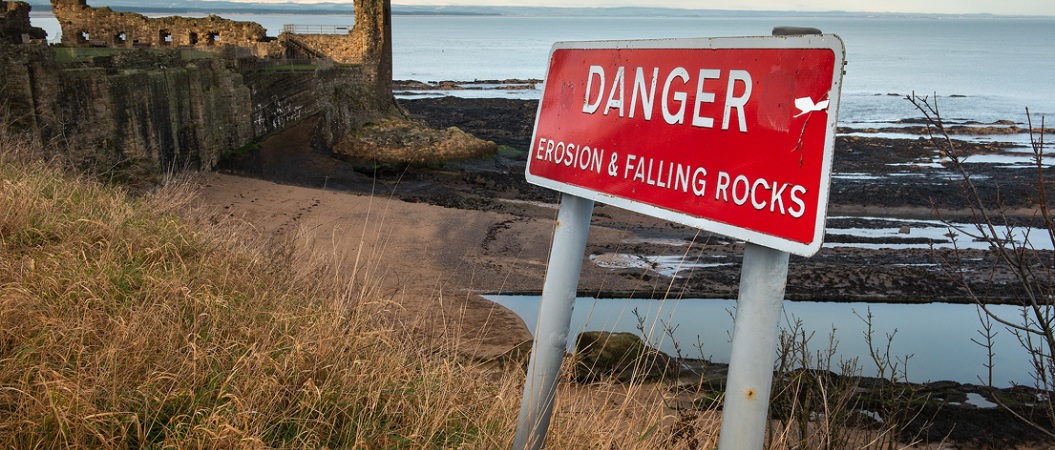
931	341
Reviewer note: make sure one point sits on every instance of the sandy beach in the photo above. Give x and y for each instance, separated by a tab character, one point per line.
425	259
432	261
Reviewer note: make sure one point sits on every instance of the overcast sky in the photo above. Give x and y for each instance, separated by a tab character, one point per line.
1008	7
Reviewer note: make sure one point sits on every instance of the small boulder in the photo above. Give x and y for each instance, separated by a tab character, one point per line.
515	358
399	141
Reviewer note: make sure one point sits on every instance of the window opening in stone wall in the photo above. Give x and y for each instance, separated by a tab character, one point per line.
212	38
193	38
165	38
120	38
84	36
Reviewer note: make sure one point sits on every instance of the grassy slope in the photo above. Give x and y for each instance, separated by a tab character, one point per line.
123	325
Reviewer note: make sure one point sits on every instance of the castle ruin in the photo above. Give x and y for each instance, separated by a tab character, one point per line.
170	109
83	25
367	43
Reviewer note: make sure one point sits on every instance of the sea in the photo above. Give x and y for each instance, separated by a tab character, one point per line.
981	70
977	69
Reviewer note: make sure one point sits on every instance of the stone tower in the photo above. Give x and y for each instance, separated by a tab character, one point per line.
373	35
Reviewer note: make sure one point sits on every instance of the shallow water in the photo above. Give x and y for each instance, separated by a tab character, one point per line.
895	233
934	339
940	234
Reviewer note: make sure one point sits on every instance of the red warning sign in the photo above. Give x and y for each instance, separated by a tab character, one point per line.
731	135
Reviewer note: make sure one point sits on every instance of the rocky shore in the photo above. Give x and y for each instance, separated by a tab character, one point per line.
878	184
475	226
898	180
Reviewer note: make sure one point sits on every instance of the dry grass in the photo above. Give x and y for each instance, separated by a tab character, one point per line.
132	322
122	325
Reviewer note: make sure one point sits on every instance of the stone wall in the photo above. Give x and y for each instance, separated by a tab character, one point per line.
160	110
17	88
368	45
102	27
338	47
366	49
179	114
14	23
346	102
280	100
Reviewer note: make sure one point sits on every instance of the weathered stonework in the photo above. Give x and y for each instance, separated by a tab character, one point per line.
367	44
187	115
156	106
83	25
366	50
14	23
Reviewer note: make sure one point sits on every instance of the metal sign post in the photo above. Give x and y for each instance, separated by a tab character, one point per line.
755	333
551	332
756	326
